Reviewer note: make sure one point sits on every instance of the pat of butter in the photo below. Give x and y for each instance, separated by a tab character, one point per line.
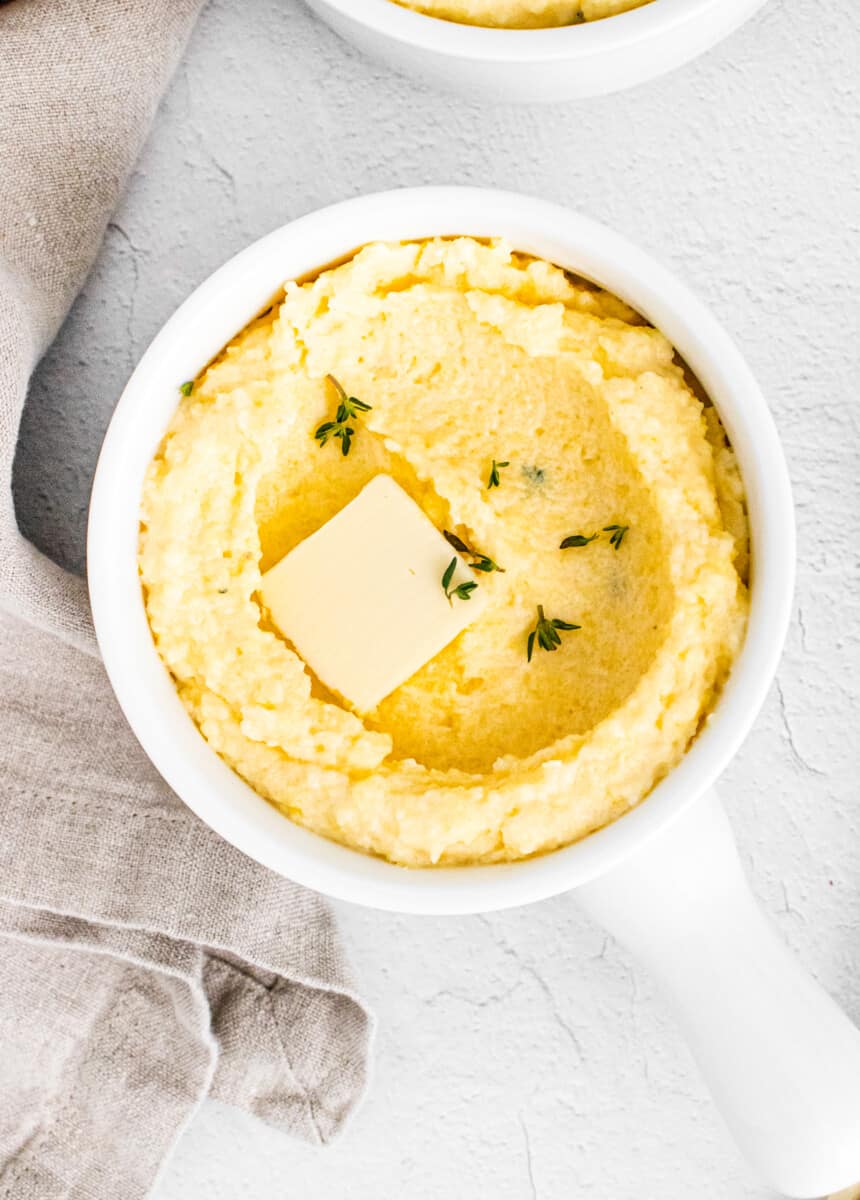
362	600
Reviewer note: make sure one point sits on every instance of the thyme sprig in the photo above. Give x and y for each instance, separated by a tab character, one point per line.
495	478
463	591
546	632
577	539
348	409
479	561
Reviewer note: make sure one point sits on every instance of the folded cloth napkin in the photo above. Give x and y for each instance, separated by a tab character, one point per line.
144	962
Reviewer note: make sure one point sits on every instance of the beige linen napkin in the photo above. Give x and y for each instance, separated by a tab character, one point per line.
144	963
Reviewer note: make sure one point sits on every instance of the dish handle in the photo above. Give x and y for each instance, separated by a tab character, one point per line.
780	1057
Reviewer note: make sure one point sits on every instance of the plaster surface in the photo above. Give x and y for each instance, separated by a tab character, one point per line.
524	1056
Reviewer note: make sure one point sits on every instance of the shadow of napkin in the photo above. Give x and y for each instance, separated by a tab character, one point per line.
146	962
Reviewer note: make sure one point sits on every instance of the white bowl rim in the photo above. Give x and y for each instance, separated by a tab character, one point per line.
189	339
658	20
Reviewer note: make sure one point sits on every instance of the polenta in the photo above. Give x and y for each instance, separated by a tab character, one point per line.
521	14
470	355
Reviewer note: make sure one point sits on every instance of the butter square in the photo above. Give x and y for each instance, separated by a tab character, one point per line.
362	601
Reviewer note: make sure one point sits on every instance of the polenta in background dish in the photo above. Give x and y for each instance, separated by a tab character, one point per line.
521	409
521	14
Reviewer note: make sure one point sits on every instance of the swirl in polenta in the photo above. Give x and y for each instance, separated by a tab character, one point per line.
519	408
521	14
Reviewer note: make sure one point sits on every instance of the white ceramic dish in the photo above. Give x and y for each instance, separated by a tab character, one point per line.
537	64
781	1058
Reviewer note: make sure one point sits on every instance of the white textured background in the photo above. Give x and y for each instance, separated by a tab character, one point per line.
524	1055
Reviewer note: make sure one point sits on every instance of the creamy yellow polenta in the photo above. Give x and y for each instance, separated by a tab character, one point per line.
521	14
467	352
